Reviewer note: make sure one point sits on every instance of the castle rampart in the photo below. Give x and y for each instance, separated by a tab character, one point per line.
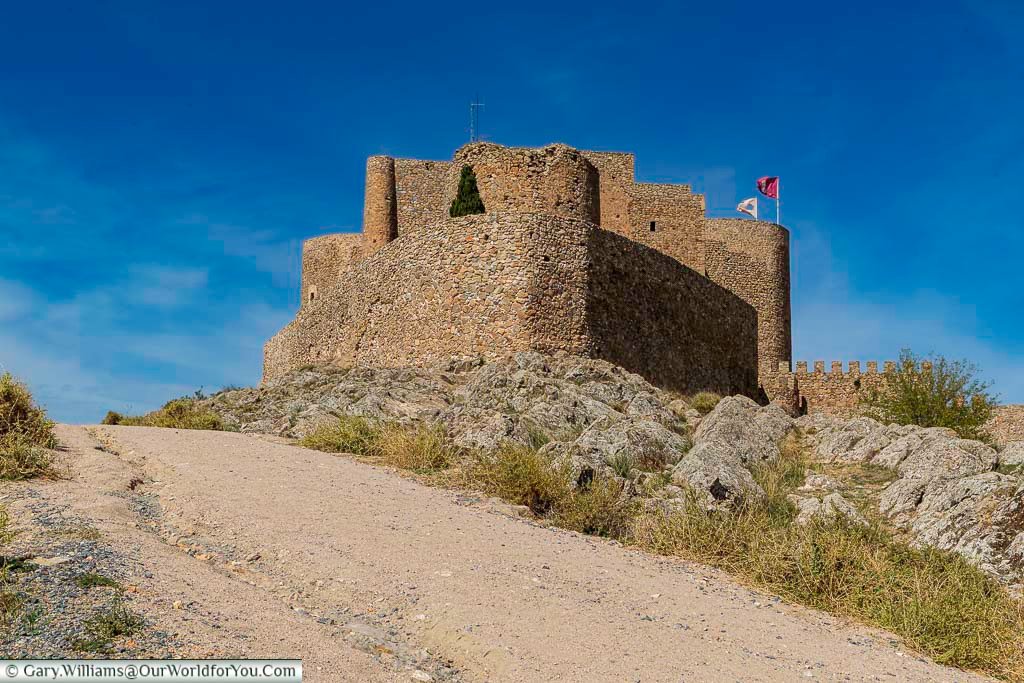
424	190
833	391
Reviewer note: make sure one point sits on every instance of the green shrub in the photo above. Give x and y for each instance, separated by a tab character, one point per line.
112	418
349	434
704	402
111	623
92	580
933	392
181	413
21	460
467	201
21	420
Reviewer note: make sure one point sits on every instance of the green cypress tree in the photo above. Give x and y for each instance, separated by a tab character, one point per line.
467	201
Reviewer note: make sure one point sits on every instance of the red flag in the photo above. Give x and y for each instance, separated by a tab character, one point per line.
769	186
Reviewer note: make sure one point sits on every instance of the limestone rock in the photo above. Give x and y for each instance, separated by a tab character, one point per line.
1012	455
826	508
818	482
980	517
647	444
905	441
714	470
774	421
735	432
948	459
856	440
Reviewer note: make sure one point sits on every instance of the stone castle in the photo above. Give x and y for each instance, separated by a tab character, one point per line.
572	254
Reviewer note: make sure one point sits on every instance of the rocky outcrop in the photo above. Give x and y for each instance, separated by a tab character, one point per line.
730	439
954	494
945	493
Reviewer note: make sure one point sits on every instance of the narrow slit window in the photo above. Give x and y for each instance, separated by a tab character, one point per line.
654	227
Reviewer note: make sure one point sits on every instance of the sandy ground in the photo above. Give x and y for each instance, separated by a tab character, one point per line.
275	551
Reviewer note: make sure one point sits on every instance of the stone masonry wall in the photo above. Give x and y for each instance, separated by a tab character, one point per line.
669	218
556	179
495	284
615	183
380	206
471	285
325	260
834	391
658	318
751	258
425	190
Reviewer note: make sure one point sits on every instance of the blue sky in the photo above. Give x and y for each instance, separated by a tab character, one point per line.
160	163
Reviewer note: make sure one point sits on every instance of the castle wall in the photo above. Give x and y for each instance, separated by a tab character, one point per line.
669	218
472	285
834	391
425	190
656	317
615	184
325	259
494	284
751	259
380	207
556	180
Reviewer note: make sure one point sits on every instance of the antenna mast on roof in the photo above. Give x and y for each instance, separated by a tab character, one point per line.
474	118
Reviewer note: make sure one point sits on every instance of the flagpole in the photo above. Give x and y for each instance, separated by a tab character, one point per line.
778	201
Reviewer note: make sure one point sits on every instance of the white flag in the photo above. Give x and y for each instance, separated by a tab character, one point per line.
748	206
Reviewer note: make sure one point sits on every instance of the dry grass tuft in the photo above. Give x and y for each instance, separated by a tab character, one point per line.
704	402
181	413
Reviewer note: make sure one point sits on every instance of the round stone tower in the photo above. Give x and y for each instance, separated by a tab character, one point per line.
556	179
380	208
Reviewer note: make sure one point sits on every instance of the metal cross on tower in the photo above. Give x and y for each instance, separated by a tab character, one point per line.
474	119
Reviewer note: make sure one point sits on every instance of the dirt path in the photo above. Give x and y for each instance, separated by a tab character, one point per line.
279	551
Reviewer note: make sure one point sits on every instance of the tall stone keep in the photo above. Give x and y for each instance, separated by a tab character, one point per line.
571	255
380	209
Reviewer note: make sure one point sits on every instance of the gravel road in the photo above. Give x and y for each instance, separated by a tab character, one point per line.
258	548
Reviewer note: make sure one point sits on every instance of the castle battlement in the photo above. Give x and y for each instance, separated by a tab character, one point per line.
572	254
836	367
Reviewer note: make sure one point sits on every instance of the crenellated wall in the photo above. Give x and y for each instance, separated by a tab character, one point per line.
833	390
1007	424
751	258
